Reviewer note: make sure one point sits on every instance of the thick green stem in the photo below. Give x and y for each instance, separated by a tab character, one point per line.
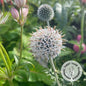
53	67
82	28
7	57
82	25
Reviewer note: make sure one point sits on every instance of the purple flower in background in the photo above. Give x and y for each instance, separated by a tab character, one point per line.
78	38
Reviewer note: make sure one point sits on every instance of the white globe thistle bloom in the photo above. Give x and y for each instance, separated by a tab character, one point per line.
46	43
45	12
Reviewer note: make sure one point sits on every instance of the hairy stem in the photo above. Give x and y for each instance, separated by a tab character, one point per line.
53	67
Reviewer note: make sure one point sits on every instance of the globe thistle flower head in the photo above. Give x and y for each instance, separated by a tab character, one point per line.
46	43
45	12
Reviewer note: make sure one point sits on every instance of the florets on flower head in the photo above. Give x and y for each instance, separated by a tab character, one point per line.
46	43
45	12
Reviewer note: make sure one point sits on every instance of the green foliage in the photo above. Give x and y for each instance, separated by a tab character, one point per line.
38	73
29	72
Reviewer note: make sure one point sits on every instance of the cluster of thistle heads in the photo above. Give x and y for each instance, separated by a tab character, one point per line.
46	42
21	14
76	47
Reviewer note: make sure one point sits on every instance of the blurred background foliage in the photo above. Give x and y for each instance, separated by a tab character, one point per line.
67	18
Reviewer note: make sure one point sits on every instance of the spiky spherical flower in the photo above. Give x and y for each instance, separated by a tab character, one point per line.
46	43
45	12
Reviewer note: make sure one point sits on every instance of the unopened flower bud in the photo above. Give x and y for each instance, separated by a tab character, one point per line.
78	38
20	3
24	12
76	48
15	13
84	48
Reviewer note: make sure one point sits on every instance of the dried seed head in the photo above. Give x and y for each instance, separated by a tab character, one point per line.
44	43
45	12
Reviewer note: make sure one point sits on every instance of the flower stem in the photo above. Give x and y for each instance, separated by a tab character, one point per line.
21	45
82	28
53	67
48	23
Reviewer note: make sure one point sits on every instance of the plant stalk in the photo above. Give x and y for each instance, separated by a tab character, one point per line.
53	67
48	23
21	45
82	28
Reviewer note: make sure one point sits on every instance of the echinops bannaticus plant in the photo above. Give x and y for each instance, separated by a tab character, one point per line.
46	43
45	12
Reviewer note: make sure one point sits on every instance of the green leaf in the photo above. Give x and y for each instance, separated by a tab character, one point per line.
32	84
74	42
21	75
38	73
3	73
66	52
